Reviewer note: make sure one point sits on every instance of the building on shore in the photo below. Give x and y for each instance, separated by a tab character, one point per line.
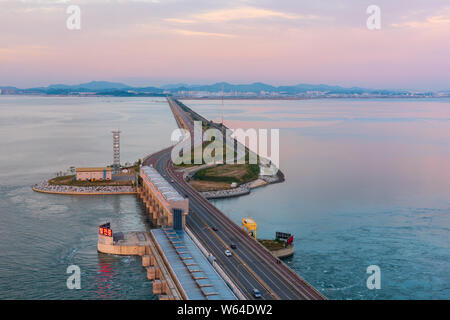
93	174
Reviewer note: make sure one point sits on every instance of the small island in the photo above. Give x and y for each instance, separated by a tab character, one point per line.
281	247
93	181
278	248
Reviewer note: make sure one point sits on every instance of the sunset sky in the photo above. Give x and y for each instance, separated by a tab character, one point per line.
154	42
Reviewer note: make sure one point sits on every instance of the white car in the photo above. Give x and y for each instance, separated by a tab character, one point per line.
228	253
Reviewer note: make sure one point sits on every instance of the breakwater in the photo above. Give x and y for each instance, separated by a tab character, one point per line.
45	187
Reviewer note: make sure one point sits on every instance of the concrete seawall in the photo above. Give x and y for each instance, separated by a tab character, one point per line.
142	244
176	265
90	191
276	178
242	190
283	253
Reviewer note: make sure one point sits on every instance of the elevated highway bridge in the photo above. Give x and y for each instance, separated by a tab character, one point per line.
251	266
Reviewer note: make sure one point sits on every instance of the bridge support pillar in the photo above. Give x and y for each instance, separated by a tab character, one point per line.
146	260
153	261
160	287
153	273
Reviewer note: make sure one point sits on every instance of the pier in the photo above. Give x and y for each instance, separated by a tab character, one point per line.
251	266
175	264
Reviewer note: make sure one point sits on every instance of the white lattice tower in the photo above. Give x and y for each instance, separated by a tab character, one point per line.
116	149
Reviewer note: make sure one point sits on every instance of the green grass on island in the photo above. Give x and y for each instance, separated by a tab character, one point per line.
273	245
239	173
189	160
70	181
222	176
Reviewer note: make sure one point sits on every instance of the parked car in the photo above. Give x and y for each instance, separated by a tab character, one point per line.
228	253
256	293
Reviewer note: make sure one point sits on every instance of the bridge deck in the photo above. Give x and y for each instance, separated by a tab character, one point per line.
192	269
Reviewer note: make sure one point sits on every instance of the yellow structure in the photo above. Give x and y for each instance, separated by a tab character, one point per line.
249	226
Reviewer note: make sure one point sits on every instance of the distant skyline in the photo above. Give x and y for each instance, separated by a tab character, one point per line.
158	42
217	86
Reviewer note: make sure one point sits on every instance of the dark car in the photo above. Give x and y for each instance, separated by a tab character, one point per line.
214	228
256	293
233	246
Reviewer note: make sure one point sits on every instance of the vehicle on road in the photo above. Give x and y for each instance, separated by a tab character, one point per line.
214	228
256	293
228	253
233	246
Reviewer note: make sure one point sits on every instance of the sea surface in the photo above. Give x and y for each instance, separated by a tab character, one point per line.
42	234
367	183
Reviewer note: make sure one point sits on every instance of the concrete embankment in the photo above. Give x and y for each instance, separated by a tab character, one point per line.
283	253
174	262
189	172
91	191
165	285
228	193
243	189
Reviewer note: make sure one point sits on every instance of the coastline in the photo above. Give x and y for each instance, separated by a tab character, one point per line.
89	191
243	189
225	98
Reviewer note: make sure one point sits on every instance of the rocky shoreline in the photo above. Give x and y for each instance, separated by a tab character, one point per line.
243	189
45	187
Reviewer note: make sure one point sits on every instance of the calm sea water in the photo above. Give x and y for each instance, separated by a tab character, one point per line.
368	182
40	234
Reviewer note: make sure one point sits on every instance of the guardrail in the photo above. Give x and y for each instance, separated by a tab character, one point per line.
216	266
165	266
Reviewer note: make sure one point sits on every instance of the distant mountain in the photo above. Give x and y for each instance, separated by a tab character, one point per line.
173	86
9	90
148	90
93	85
266	90
227	87
258	89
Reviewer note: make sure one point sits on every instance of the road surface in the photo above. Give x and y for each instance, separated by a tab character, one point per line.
251	265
